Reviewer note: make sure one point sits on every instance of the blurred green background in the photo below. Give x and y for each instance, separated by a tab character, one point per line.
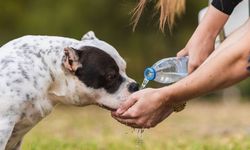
110	20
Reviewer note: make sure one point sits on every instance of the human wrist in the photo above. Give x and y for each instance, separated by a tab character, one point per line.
170	101
162	93
202	35
167	96
208	33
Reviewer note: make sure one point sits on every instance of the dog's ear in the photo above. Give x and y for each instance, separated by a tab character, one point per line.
71	59
89	36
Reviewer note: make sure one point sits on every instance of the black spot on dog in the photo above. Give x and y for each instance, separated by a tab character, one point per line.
54	62
8	84
41	68
18	92
41	75
51	75
23	72
50	49
27	96
99	69
7	61
38	55
1	141
18	81
44	63
35	84
25	51
12	110
24	45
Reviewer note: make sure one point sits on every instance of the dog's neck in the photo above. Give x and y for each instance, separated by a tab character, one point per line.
64	86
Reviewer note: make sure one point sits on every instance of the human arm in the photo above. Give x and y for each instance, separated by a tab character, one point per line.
224	69
201	44
225	66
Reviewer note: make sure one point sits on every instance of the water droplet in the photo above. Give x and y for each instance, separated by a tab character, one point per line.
144	83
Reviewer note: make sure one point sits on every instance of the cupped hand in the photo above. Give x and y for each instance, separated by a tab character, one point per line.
143	109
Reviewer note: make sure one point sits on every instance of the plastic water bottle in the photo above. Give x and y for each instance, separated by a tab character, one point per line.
166	71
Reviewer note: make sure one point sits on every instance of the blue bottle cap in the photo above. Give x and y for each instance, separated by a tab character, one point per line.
150	73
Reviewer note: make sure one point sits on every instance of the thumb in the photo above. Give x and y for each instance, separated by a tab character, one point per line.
126	105
182	53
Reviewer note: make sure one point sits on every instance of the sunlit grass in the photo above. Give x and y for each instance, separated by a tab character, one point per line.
201	126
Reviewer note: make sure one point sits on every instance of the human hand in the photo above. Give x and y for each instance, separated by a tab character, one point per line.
201	44
198	49
143	109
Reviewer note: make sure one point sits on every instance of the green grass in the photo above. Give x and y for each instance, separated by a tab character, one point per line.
200	126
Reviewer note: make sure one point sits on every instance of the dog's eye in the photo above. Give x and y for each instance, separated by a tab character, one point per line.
110	76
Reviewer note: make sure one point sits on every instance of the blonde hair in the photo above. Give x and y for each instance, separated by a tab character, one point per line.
168	10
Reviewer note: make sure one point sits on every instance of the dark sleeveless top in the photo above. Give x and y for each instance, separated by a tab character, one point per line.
226	6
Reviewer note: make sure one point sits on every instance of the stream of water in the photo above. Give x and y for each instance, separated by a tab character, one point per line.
139	132
139	140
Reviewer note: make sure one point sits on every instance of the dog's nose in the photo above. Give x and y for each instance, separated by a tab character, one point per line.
133	87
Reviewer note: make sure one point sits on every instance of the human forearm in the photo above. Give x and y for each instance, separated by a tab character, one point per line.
212	23
201	44
226	67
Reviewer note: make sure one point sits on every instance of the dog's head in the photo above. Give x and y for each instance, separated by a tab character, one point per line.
96	74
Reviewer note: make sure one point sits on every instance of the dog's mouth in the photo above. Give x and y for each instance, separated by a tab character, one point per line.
106	107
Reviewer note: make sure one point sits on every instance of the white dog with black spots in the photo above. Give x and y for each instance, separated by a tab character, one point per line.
38	72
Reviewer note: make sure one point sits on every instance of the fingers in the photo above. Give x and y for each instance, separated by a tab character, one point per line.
130	113
134	122
191	65
126	105
127	122
182	53
191	68
194	63
122	116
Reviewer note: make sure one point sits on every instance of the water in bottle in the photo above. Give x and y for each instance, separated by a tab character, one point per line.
166	71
